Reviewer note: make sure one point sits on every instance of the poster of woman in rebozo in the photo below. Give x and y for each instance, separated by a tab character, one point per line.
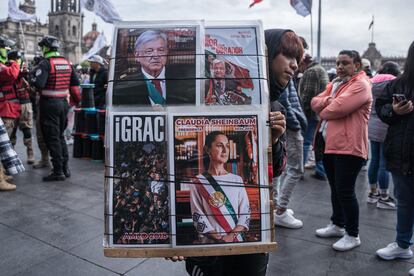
140	188
216	166
155	66
232	66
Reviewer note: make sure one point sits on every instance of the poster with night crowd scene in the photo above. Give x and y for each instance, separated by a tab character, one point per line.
156	64
217	173
232	65
139	201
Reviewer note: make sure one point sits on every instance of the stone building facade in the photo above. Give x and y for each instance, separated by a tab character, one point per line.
65	22
33	31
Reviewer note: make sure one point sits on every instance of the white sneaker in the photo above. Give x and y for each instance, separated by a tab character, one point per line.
290	211
287	220
346	243
331	230
393	251
411	272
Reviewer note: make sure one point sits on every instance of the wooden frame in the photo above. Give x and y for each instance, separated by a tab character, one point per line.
267	245
188	252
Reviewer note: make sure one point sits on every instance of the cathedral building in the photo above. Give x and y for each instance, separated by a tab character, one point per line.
64	21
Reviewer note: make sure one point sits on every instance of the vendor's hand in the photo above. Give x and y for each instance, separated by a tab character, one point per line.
175	258
402	108
277	123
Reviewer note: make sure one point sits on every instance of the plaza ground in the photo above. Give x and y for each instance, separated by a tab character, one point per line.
57	228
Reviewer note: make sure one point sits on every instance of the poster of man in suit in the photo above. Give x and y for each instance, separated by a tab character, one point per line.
155	66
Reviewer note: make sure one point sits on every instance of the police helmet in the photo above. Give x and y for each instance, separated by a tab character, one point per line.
49	41
14	55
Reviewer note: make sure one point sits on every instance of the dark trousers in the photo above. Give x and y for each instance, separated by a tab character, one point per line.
234	265
53	121
404	191
342	172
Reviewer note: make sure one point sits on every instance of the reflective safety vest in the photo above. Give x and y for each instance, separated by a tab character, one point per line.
8	93
58	81
9	104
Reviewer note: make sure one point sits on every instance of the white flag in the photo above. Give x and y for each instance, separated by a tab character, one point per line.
102	8
17	14
99	43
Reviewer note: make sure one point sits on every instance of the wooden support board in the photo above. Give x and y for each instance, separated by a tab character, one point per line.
188	252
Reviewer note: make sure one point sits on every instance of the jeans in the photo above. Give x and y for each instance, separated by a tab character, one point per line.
376	169
307	145
293	172
404	192
233	265
342	172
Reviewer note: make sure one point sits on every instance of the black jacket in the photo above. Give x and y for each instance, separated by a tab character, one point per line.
100	79
399	143
180	87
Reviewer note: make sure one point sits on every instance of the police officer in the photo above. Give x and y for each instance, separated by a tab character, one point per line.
25	122
58	82
9	104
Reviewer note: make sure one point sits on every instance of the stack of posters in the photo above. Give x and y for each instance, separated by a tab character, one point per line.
186	138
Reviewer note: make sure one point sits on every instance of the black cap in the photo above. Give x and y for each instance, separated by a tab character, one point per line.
14	55
50	42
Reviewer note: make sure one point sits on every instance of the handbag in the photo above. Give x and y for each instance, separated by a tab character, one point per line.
319	146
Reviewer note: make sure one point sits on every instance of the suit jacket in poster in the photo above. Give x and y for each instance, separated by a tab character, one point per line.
180	87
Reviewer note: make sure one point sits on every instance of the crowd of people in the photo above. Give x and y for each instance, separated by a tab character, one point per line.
344	117
141	195
48	93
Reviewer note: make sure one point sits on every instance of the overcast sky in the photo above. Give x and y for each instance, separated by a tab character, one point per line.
344	22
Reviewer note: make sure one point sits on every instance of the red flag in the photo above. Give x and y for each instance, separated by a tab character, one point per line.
255	2
242	75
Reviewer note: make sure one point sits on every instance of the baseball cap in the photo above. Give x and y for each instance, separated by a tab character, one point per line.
97	59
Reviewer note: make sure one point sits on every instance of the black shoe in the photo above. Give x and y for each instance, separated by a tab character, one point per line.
66	171
319	177
54	177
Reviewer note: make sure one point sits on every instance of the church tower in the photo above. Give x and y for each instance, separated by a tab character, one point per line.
66	23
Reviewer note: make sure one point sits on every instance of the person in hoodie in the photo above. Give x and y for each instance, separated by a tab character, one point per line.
285	51
280	66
